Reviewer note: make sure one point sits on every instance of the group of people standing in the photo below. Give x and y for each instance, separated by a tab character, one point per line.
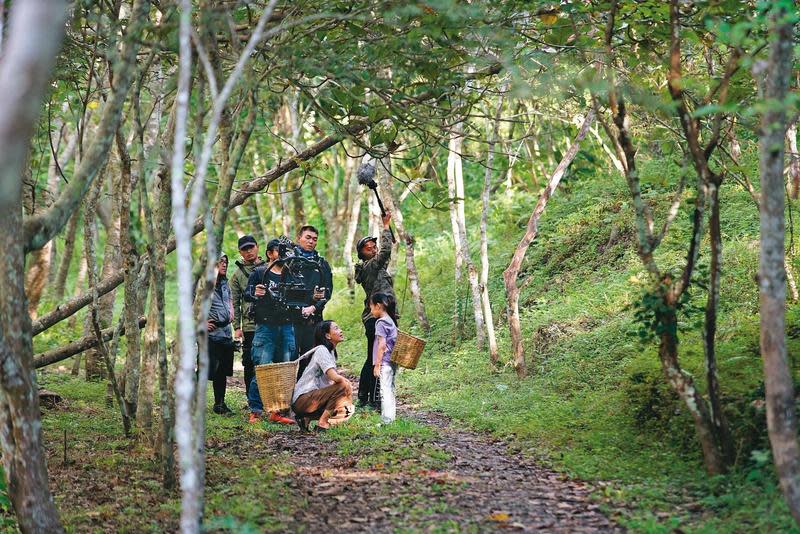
250	308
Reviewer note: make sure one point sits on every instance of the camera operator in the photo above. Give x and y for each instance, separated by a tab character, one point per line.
243	326
274	340
220	342
372	275
318	281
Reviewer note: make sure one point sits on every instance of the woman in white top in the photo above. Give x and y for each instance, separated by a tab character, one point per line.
322	393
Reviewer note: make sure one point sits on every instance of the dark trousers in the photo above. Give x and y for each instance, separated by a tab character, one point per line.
304	339
369	389
220	366
247	357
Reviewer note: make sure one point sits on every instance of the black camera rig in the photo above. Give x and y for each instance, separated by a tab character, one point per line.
294	292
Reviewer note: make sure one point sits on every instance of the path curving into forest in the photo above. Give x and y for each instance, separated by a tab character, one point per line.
482	485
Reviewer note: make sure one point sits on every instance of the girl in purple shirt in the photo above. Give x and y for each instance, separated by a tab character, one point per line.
383	308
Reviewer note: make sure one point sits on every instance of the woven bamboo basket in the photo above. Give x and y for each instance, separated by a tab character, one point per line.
407	350
276	384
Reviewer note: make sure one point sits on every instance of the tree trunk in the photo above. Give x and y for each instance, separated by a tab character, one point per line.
76	347
412	276
36	31
66	256
722	433
461	222
94	312
39	270
132	308
780	399
684	386
354	213
793	177
486	304
512	271
454	162
94	365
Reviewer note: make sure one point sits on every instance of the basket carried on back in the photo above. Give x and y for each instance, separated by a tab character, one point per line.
276	384
407	350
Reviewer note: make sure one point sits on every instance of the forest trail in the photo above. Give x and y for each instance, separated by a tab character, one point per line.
480	486
422	473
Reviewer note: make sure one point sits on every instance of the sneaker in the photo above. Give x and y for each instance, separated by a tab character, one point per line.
254	418
222	409
275	417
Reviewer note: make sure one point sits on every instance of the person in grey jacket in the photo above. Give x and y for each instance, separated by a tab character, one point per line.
220	337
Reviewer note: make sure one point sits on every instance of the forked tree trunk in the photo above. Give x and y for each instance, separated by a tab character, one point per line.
780	399
512	271
684	386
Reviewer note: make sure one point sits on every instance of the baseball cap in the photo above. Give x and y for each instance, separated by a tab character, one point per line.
247	241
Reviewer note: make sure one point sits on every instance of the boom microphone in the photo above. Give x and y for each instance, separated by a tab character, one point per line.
366	175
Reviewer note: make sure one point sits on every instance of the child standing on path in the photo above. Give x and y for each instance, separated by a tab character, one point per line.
382	306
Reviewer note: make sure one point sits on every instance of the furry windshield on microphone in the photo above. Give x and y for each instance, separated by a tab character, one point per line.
366	175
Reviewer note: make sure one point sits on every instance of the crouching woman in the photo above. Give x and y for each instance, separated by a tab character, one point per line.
321	393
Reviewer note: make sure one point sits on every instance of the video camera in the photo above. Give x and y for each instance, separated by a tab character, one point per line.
293	293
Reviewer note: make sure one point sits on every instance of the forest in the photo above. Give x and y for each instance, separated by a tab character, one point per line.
586	209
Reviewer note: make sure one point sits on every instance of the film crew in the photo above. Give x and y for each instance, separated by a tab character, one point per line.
220	341
273	341
243	326
372	275
315	274
321	393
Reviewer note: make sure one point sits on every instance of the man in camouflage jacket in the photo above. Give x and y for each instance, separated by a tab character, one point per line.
372	275
244	327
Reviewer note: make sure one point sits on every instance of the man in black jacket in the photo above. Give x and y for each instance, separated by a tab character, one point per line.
274	340
317	278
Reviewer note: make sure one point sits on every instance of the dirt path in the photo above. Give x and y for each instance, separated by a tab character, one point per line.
419	474
480	485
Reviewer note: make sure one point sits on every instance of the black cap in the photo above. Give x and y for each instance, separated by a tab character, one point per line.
246	241
363	241
273	244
